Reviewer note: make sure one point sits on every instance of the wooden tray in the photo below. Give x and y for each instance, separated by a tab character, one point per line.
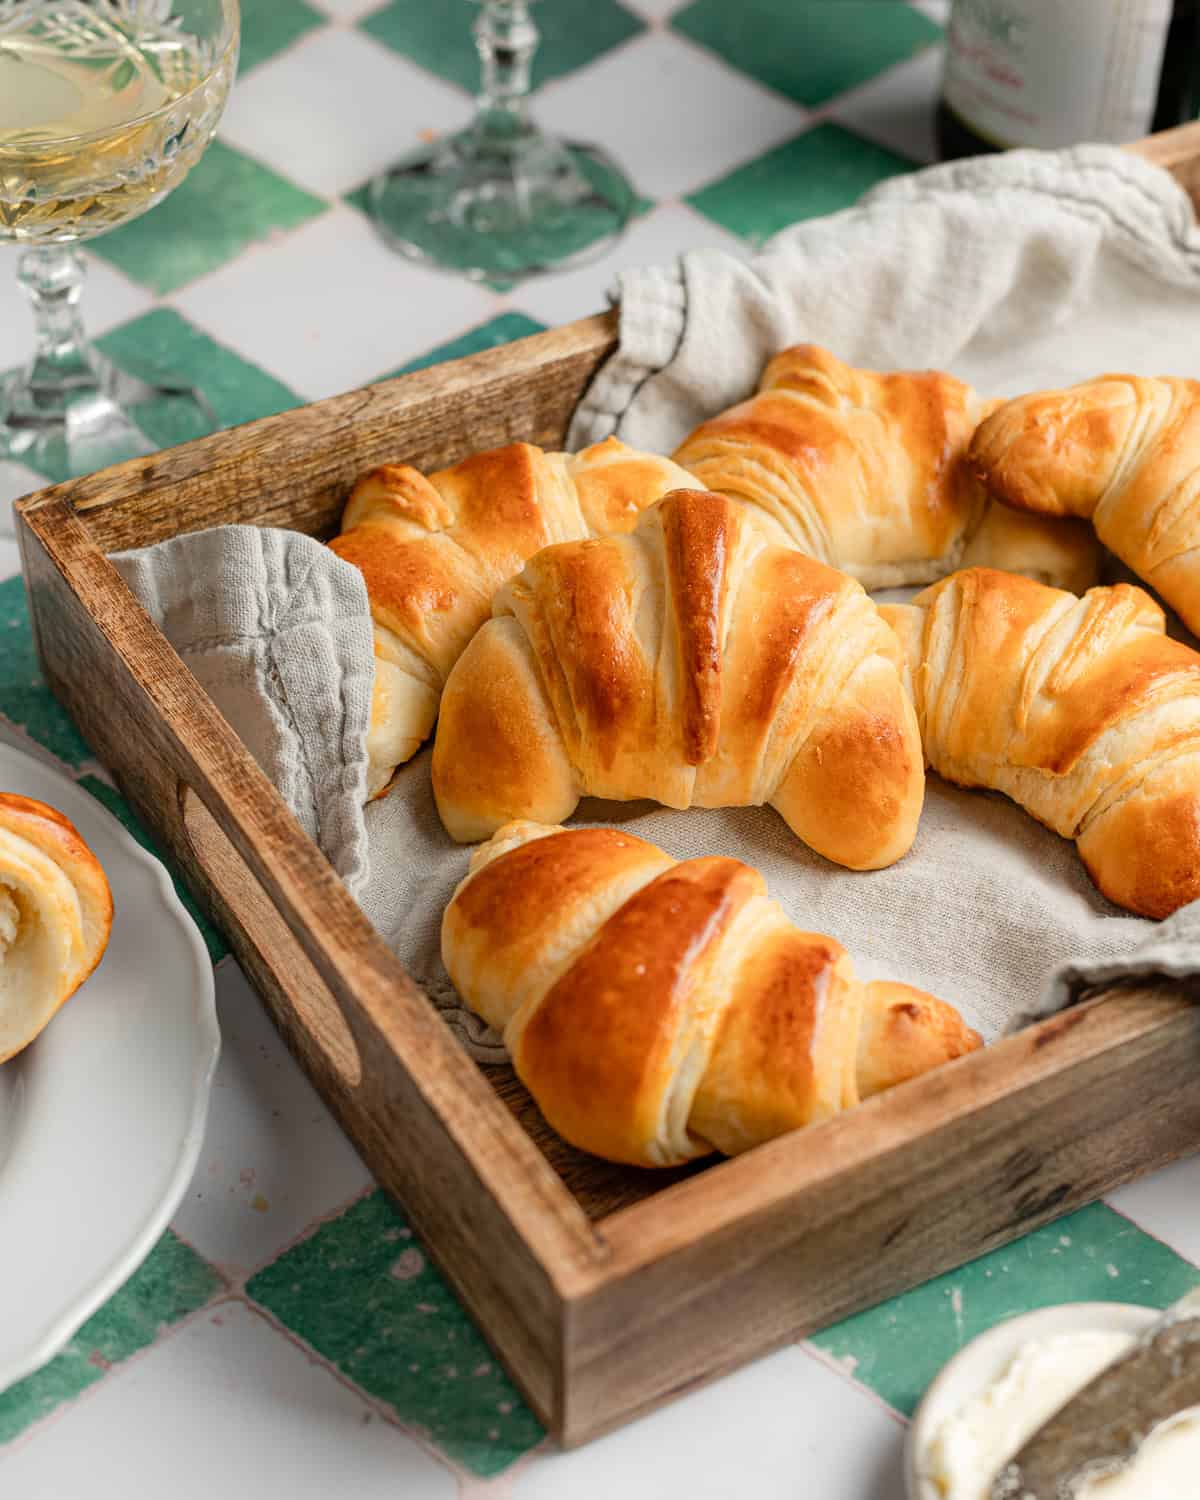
604	1290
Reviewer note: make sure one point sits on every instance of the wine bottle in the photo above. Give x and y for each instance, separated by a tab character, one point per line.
1054	73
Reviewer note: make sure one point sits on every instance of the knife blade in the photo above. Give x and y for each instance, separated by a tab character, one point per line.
1099	1431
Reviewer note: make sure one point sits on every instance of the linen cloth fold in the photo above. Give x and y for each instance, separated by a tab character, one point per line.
283	645
1014	272
277	629
1029	269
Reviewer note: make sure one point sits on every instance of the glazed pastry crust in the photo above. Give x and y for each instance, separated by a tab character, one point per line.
434	550
55	917
1120	451
694	663
1081	710
657	1009
865	471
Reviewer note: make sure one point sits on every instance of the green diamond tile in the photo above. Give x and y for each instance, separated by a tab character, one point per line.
357	198
1094	1255
439	37
502	330
163	346
566	240
24	696
809	50
172	1282
815	173
268	26
226	203
116	804
361	1293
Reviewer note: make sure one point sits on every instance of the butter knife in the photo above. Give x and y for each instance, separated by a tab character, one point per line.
1099	1431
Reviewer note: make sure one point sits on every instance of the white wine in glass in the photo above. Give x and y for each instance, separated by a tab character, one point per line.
105	105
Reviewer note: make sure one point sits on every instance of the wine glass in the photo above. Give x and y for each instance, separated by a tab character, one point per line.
105	105
502	200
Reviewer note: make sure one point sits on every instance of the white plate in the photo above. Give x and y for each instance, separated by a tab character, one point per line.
102	1118
981	1362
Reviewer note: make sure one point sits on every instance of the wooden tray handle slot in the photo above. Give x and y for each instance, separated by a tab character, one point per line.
310	1013
435	1133
340	996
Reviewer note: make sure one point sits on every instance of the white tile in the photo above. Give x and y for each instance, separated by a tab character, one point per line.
15	481
674	116
336	108
274	1159
655	239
349	10
655	10
896	108
936	10
1165	1205
109	298
224	1406
331	308
784	1427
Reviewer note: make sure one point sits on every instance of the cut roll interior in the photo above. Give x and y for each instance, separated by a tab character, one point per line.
55	917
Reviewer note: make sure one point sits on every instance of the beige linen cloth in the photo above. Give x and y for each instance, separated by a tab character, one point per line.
1015	272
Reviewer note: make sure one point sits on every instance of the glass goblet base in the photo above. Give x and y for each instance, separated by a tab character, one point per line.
65	422
501	212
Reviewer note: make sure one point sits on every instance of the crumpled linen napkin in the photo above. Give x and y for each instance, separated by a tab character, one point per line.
1013	272
277	629
283	645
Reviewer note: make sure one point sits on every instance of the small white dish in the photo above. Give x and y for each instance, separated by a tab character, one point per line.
980	1364
102	1117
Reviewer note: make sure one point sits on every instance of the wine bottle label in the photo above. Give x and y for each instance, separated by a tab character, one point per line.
1055	72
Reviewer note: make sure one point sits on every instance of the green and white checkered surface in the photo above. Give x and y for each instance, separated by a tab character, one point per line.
287	1336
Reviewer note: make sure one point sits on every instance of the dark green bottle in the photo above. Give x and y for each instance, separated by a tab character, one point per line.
1057	72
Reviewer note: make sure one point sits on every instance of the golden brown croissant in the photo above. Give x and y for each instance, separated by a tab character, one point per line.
694	663
55	917
865	471
1121	451
657	1010
1081	710
434	550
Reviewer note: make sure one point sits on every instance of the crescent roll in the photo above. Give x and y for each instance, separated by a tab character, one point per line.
658	1010
55	917
692	662
433	551
1121	451
866	472
1081	710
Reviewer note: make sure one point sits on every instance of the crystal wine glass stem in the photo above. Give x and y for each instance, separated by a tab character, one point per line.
507	39
52	277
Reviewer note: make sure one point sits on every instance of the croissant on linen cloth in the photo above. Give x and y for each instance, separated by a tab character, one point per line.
865	471
1122	451
1082	710
692	662
55	917
433	551
658	1009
